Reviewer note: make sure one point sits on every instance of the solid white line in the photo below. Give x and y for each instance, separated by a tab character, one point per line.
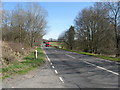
102	68
61	79
107	70
56	71
70	56
53	67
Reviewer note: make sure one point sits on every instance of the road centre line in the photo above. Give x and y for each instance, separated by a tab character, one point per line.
102	68
70	56
108	61
107	70
56	71
90	63
61	79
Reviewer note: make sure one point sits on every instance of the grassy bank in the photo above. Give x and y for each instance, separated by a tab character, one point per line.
96	55
55	44
28	63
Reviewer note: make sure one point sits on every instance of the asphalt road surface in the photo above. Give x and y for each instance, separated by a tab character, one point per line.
83	71
64	69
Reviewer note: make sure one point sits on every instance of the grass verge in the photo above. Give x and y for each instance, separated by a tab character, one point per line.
23	67
96	55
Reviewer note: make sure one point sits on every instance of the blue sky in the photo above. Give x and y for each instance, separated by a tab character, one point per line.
61	15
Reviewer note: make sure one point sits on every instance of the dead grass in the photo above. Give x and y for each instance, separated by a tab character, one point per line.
13	52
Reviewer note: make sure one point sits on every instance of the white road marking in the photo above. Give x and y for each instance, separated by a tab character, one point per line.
55	50
70	56
56	71
107	70
53	67
54	59
108	61
51	63
47	56
61	79
102	68
117	63
64	59
90	63
12	87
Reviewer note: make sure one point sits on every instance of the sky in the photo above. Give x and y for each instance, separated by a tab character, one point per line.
61	15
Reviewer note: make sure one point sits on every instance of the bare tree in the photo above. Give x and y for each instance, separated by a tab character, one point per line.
25	25
93	30
36	21
114	18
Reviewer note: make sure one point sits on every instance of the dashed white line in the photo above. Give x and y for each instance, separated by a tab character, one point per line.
51	63
53	67
102	68
70	56
61	79
47	57
56	71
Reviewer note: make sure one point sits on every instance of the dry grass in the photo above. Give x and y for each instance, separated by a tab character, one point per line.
13	52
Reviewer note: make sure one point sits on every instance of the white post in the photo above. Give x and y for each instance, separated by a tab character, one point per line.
36	54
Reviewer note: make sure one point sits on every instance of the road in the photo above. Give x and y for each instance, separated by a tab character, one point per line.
64	69
83	71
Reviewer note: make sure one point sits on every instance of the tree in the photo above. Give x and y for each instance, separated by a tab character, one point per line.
94	32
24	25
68	38
114	18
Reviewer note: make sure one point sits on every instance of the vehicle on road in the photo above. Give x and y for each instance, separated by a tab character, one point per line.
47	44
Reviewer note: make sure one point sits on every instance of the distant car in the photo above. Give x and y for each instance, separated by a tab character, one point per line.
47	44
